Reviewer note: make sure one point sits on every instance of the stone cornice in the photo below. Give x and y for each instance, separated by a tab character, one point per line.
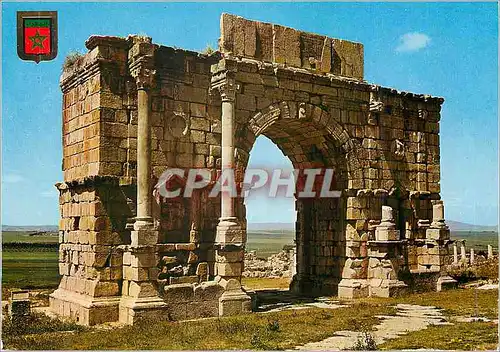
111	41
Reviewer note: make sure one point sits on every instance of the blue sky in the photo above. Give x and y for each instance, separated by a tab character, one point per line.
443	49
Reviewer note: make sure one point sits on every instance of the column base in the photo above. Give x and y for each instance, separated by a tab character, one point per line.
85	310
132	310
144	223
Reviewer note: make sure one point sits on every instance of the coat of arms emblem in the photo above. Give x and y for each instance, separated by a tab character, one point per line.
37	35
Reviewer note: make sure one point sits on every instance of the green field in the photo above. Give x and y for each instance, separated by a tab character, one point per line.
30	267
24	237
266	243
478	240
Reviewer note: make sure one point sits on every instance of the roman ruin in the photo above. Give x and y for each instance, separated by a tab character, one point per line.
132	109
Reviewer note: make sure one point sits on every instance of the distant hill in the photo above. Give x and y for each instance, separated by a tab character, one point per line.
454	226
461	226
31	228
270	226
262	226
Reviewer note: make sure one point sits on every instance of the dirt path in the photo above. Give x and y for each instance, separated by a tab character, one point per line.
409	318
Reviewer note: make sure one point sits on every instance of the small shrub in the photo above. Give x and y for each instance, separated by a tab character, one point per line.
208	50
71	59
273	325
365	342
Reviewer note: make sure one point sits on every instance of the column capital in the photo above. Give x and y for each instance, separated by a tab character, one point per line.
225	83
228	91
143	72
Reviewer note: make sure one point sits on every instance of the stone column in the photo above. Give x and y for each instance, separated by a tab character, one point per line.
228	98
230	237
472	259
455	253
490	251
144	218
463	256
140	296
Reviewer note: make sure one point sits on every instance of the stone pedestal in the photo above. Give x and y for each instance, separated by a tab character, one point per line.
230	232
387	231
140	296
437	233
385	260
19	304
84	309
234	300
438	229
134	309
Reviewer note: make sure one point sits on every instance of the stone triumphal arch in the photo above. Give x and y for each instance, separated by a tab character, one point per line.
132	109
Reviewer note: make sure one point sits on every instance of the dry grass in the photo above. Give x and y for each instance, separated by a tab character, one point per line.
254	283
460	336
453	302
280	330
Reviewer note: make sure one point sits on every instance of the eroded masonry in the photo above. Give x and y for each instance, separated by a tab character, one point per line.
132	109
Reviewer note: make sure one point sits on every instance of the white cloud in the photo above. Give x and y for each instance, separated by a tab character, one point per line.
413	41
12	178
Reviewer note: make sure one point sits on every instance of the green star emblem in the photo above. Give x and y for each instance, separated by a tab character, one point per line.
37	40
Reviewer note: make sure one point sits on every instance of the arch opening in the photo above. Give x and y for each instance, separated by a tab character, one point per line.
319	226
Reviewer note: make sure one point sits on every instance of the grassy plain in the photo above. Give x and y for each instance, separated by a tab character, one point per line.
277	331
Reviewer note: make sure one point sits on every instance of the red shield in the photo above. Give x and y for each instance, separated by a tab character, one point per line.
37	35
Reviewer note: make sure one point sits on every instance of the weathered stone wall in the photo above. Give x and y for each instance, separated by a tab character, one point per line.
274	43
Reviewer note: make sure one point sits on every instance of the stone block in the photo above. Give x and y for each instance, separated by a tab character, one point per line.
286	46
143	237
349	288
178	293
385	234
437	234
143	258
446	283
203	309
208	291
142	289
193	279
202	271
224	256
229	269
